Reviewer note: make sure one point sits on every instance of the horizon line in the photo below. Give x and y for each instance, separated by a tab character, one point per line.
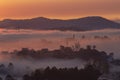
52	18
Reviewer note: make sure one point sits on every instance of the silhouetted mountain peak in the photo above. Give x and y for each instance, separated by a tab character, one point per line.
40	18
92	18
42	23
95	17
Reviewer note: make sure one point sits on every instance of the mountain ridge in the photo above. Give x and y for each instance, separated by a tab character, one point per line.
79	24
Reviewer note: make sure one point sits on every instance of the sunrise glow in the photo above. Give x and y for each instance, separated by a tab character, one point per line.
63	9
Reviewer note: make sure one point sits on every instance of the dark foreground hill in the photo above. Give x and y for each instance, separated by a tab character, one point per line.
41	23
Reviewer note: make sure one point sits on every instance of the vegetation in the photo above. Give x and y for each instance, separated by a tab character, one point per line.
88	73
97	63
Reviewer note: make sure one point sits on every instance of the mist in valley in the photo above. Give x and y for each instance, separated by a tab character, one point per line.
14	40
27	66
105	40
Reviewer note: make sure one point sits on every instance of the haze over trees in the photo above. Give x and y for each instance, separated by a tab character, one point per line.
88	73
97	63
90	54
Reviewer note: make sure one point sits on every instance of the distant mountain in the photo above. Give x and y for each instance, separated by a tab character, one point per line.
41	23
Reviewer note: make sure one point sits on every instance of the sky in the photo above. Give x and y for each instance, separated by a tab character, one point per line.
59	9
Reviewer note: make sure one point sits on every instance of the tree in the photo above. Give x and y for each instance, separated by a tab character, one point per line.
26	77
9	77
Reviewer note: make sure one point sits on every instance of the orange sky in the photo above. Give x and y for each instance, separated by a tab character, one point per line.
63	9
